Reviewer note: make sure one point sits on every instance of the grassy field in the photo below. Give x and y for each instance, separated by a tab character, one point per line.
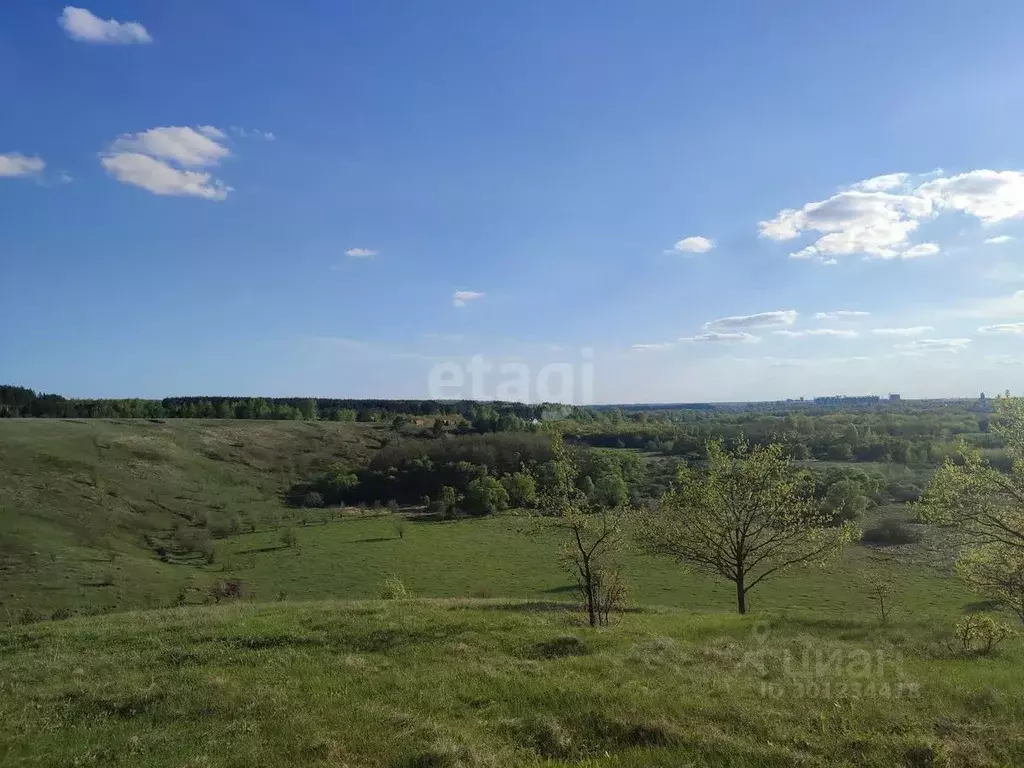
498	683
78	498
488	666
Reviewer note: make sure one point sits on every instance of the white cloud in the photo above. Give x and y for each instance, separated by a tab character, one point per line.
145	160
934	345
759	320
186	146
715	336
160	178
991	196
361	253
876	217
998	240
874	223
696	244
882	183
915	330
16	164
1015	328
923	249
460	298
840	314
82	25
835	332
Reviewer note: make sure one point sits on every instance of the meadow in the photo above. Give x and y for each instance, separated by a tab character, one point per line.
488	662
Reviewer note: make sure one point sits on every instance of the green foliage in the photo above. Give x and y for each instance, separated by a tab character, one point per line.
981	634
997	572
289	538
746	517
313	499
393	588
521	488
485	496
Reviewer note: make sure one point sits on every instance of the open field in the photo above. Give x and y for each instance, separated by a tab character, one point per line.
498	683
78	499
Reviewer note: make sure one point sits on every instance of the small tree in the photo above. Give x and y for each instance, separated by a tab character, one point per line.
313	499
590	537
882	592
747	517
289	538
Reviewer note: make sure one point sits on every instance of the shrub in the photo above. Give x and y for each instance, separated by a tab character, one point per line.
289	537
891	532
981	634
313	499
226	589
393	588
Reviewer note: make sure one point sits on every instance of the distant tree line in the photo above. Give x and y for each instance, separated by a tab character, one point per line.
484	417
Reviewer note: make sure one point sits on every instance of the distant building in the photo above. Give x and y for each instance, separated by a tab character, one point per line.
894	398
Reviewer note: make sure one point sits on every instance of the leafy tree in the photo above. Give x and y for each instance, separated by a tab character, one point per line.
747	517
485	496
996	572
522	489
986	505
844	501
610	491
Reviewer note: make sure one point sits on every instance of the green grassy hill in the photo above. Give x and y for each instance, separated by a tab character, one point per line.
78	498
497	683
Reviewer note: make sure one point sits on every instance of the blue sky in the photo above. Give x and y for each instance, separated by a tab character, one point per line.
252	198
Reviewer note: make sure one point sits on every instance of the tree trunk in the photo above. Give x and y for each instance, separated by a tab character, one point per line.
741	596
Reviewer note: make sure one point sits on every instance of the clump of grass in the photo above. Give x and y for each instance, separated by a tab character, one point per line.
393	588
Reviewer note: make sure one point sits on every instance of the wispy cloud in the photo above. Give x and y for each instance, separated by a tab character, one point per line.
360	253
840	314
1014	328
842	333
461	298
84	26
252	133
723	337
758	320
914	330
997	240
922	346
655	346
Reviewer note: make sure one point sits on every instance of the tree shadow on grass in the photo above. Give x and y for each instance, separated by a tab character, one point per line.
375	539
982	606
561	590
260	550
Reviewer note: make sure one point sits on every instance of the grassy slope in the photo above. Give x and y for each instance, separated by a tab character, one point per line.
489	683
76	497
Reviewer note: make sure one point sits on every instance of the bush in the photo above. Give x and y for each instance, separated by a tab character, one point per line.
226	589
890	532
313	499
393	588
980	634
289	538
